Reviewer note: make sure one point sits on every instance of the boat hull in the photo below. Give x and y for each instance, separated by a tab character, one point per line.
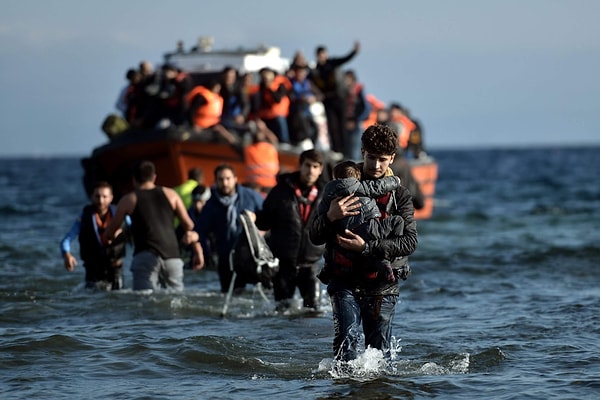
174	152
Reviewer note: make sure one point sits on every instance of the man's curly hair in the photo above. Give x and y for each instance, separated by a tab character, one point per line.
380	139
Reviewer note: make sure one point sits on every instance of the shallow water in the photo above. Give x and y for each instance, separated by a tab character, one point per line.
503	302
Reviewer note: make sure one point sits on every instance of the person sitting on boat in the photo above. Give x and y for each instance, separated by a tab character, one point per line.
357	110
304	93
122	105
415	145
175	85
236	102
205	110
271	103
261	160
146	98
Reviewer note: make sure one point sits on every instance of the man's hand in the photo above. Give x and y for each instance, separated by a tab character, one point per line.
251	214
343	207
198	258
351	241
69	261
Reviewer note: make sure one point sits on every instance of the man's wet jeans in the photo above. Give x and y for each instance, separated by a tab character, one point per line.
376	314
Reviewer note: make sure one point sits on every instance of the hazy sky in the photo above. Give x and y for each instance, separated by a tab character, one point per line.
476	73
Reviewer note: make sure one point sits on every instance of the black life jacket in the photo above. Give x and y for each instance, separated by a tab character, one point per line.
90	246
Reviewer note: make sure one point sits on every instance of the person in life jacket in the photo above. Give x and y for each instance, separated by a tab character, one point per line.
236	102
400	120
261	161
195	177
205	110
415	141
271	103
357	294
357	110
172	95
376	107
102	261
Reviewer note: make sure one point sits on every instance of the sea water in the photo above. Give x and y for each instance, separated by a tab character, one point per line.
503	302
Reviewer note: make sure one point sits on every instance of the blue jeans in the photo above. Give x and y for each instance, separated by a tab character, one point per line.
376	314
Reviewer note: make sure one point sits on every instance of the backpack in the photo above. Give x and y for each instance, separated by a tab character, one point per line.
113	125
251	258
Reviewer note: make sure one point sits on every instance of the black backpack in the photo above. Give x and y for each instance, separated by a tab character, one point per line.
251	258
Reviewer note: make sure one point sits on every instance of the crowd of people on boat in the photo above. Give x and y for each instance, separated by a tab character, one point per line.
310	105
361	224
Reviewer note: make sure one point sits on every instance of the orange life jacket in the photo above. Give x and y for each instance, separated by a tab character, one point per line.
407	127
269	108
262	164
376	105
208	114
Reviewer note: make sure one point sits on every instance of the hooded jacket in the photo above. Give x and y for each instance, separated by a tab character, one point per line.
365	190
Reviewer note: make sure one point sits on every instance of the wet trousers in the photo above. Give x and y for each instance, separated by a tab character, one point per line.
103	276
350	309
289	277
153	272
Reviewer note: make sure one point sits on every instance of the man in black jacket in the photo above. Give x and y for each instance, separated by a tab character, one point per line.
358	294
287	213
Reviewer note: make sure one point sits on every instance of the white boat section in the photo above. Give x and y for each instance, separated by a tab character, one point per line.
203	59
